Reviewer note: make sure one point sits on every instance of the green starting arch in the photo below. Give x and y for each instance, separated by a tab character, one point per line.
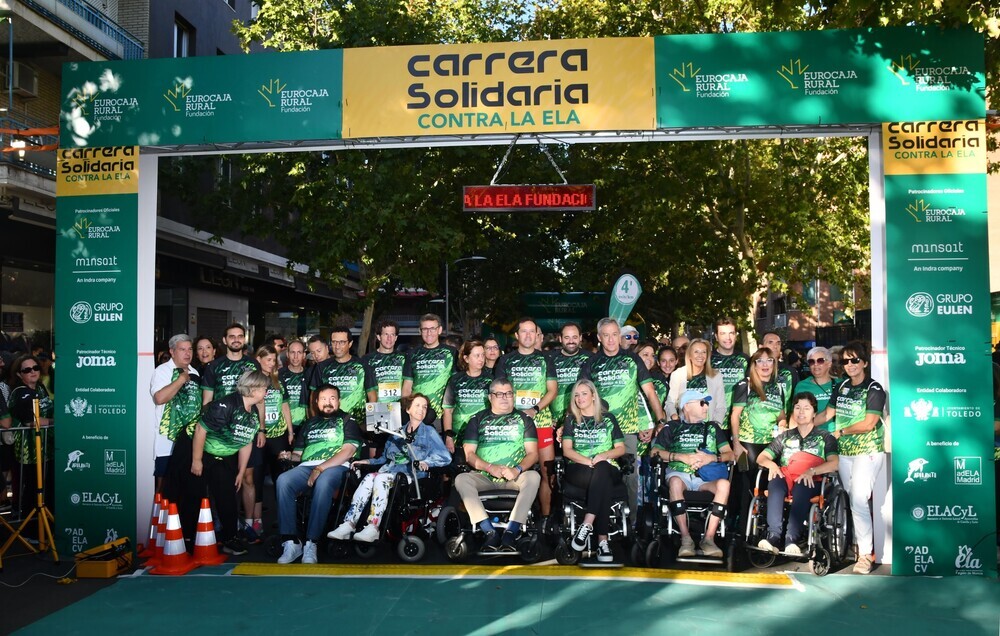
917	95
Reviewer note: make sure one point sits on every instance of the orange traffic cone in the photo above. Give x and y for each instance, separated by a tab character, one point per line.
150	549
175	559
161	535
206	548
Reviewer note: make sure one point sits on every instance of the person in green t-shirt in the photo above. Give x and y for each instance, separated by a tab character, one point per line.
592	441
819	382
277	419
567	359
386	363
428	368
218	379
467	394
501	445
293	378
687	445
221	449
856	408
732	364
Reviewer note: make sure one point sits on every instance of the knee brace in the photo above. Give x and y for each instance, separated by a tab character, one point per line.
678	508
719	510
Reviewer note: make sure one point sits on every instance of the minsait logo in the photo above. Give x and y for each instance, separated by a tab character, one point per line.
915	471
78	407
73	462
969	471
81	312
966	562
921	409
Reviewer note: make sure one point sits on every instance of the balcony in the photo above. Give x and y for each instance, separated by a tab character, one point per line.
79	19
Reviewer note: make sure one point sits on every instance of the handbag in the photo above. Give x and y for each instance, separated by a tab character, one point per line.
714	470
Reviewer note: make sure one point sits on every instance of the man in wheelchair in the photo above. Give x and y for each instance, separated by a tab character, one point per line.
501	446
794	460
697	453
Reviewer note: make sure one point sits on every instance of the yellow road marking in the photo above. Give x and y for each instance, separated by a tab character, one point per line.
714	578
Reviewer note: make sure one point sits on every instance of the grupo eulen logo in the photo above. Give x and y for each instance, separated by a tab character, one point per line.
81	312
920	304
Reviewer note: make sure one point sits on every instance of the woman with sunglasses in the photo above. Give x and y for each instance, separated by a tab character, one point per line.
856	411
27	388
698	374
819	383
758	407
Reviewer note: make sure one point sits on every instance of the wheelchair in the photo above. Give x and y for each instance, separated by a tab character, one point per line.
826	535
410	518
272	543
574	500
664	536
460	539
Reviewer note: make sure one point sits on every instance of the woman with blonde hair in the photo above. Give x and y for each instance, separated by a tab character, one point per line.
698	374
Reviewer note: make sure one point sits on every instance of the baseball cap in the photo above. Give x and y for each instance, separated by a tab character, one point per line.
692	395
629	329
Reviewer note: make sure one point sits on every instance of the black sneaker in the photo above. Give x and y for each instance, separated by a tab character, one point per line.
582	534
234	547
604	554
508	543
249	535
492	542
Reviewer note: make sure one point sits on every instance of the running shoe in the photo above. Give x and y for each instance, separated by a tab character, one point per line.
342	532
249	536
687	547
492	542
793	549
290	550
309	553
582	534
234	547
771	544
604	554
864	564
368	534
708	547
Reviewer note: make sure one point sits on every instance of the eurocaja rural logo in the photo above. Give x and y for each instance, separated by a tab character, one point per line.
464	90
298	100
910	71
181	96
706	85
811	81
923	212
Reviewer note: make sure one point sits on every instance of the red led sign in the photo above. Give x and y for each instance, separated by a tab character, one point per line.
529	198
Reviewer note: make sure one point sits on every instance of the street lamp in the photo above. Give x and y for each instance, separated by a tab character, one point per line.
447	297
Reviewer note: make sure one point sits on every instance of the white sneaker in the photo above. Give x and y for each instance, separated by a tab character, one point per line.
687	547
793	549
342	532
368	534
291	550
709	549
309	553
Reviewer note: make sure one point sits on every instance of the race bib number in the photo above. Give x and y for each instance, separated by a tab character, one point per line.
527	399
389	390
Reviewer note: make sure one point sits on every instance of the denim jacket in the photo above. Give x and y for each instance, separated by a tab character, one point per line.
427	447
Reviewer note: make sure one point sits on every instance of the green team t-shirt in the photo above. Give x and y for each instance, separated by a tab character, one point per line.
430	370
788	377
296	386
499	439
853	403
182	411
351	377
387	374
661	384
822	392
466	396
818	442
22	411
221	375
229	426
322	437
591	438
687	437
759	417
733	368
529	374
567	373
274	423
618	379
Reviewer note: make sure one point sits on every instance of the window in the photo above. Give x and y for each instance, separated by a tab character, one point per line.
183	38
254	10
232	4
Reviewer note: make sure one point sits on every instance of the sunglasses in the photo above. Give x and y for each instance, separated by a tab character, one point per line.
34	369
851	361
502	394
703	403
630	337
817	361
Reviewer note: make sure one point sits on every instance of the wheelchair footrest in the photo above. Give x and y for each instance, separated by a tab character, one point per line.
598	564
700	559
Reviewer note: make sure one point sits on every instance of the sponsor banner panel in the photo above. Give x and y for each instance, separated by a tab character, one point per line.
96	345
939	355
825	77
197	100
559	85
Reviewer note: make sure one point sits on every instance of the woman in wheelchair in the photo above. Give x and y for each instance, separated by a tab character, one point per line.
696	452
428	451
794	461
591	441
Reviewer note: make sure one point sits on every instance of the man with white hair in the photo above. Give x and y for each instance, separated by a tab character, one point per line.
176	395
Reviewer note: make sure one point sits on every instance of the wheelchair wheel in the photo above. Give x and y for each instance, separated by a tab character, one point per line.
821	562
530	549
457	548
837	528
336	549
365	550
272	546
654	553
638	554
761	558
411	549
449	524
565	554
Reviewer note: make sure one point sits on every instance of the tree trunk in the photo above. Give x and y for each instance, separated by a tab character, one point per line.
366	327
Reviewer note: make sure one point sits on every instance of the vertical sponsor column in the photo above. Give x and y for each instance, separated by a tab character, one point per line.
938	341
95	322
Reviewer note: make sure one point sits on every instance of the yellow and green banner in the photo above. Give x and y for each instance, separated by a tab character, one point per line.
944	521
97	234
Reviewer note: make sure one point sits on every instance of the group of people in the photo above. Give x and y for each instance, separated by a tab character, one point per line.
502	416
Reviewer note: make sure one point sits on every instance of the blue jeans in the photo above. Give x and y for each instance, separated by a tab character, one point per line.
294	482
798	515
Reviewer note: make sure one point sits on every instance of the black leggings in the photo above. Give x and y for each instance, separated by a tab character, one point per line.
745	480
269	463
598	481
183	488
220	477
